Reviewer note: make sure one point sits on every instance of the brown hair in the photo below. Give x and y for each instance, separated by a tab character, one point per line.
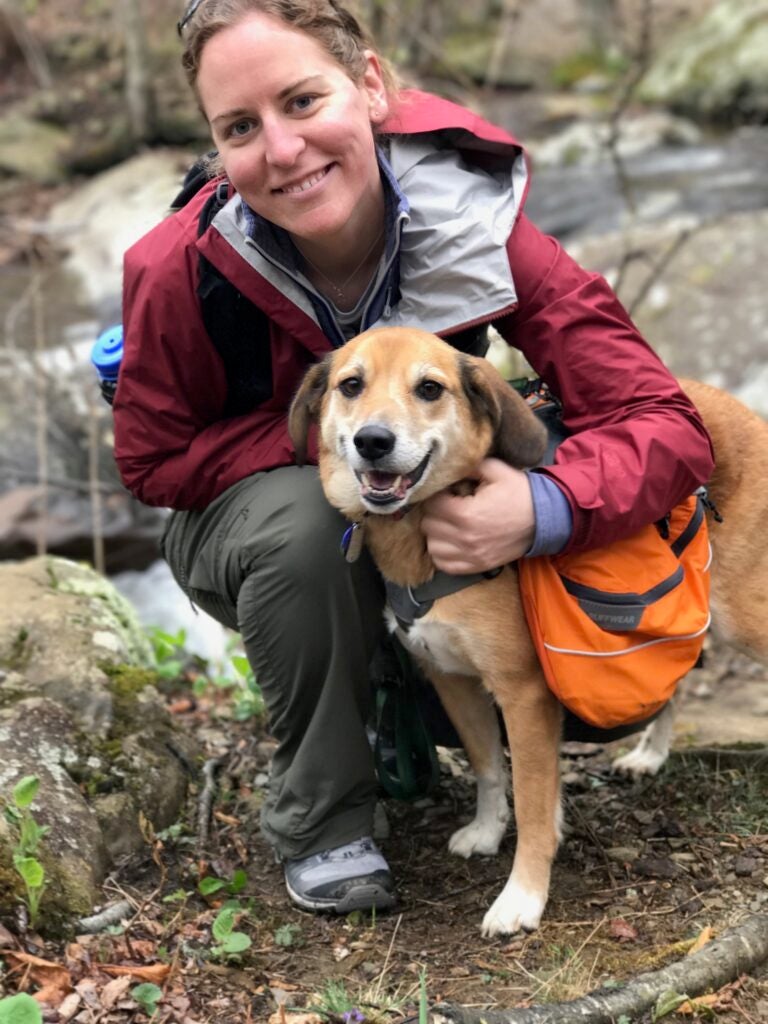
335	28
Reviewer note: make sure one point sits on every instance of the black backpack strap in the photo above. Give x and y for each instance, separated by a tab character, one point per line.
473	341
197	176
238	329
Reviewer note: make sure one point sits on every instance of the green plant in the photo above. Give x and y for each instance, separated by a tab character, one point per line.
168	648
26	864
247	698
20	1009
229	943
368	1006
288	935
147	996
423	1004
667	1003
210	884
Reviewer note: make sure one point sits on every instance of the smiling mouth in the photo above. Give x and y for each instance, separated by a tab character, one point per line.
377	488
305	185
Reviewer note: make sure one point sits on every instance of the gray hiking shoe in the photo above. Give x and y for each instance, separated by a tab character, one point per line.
347	878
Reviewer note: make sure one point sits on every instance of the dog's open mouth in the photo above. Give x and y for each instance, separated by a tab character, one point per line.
378	488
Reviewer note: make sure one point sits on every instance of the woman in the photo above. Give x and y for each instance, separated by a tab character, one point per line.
353	204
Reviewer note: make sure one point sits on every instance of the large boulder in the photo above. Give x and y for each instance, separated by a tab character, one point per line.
715	68
79	709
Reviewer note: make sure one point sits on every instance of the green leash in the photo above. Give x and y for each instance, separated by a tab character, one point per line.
415	769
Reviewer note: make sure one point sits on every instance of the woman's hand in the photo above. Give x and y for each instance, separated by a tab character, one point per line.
484	530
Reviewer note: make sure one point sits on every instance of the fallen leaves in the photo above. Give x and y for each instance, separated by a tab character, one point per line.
622	930
54	981
154	973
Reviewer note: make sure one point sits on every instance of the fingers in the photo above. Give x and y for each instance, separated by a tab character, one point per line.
484	530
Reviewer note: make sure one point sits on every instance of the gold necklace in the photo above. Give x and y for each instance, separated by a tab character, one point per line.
339	290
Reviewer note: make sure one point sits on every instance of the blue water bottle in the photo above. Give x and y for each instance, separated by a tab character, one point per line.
106	355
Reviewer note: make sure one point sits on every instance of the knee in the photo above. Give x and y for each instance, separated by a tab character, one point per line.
297	532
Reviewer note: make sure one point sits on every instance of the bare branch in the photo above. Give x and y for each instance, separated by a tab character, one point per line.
737	952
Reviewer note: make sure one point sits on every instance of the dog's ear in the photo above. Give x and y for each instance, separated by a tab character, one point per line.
305	407
519	438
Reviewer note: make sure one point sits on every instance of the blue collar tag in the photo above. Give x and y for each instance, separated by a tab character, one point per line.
352	542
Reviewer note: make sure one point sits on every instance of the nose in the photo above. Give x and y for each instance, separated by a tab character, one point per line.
374	441
283	142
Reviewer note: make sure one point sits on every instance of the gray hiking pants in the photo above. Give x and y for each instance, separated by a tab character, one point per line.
264	559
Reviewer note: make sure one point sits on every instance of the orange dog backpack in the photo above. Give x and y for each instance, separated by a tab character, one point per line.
616	628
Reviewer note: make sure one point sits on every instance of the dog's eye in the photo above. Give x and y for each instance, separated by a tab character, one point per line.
351	387
429	390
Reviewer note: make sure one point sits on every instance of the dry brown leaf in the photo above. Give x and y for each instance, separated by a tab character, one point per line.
281	1017
6	938
69	1007
114	990
694	1005
227	819
154	973
720	1000
622	930
54	981
89	993
705	935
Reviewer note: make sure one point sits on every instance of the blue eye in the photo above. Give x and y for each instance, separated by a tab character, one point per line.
303	103
240	128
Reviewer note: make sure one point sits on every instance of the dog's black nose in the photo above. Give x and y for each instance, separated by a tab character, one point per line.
374	441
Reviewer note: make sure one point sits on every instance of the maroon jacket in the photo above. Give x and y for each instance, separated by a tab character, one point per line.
638	448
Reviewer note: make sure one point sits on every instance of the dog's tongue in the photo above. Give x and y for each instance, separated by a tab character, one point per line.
381	481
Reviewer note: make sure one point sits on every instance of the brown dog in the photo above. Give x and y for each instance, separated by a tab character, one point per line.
401	416
739	570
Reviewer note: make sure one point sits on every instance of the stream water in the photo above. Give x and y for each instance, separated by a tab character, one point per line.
82	294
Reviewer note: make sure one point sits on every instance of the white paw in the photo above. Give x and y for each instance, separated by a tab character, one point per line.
481	837
515	908
643	760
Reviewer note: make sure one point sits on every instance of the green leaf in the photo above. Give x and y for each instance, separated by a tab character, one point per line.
236	942
25	790
667	1002
147	996
241	665
207	886
20	1009
175	897
223	924
287	934
31	871
238	882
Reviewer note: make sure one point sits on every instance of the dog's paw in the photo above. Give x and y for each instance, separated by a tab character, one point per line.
482	837
515	909
643	760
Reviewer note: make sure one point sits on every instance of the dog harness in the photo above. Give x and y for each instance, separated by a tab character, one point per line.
411	603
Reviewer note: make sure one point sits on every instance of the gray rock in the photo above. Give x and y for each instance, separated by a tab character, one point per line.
79	710
715	66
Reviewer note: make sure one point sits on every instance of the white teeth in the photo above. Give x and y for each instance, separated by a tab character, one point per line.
304	185
392	487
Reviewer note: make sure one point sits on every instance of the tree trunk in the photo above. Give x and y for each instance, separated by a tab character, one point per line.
138	91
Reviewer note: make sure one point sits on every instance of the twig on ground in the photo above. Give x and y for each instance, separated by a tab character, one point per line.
205	802
737	952
107	917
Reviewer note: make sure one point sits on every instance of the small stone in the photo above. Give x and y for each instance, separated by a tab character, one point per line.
622	854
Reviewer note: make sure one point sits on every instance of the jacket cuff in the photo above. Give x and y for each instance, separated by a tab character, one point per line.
554	519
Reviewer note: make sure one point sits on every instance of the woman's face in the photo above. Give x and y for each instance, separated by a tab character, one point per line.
293	130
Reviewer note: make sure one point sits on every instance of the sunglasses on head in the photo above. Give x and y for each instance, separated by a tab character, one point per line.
187	16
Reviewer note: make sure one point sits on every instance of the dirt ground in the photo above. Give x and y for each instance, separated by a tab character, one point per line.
646	866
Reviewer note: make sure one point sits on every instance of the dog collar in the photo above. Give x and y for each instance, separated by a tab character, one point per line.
354	536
